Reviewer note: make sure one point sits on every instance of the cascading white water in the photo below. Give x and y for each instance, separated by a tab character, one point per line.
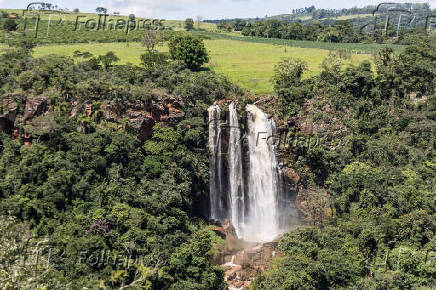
236	181
262	219
215	167
253	209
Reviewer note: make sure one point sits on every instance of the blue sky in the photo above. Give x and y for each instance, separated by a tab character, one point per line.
210	9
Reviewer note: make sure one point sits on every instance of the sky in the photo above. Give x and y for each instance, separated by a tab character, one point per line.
207	9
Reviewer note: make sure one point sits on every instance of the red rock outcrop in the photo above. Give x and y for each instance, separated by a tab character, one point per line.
35	106
246	264
241	260
8	114
292	175
111	110
142	117
164	110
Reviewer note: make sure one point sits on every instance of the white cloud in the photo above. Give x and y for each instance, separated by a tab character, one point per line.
151	8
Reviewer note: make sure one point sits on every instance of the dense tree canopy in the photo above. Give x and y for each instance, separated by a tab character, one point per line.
103	167
379	231
84	183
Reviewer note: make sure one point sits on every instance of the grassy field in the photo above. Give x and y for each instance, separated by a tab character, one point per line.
355	48
248	64
251	65
179	25
348	17
129	52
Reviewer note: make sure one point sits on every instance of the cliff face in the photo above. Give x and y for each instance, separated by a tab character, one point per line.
8	114
16	112
242	261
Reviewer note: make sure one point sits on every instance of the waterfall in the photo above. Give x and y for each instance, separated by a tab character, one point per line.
236	182
252	207
263	180
215	167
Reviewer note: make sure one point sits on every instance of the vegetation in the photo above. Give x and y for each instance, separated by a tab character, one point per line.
249	64
78	184
103	167
310	15
371	199
342	31
152	39
10	25
188	49
189	24
101	10
356	48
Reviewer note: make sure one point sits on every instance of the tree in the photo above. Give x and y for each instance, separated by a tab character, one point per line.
76	10
87	183
192	272
316	206
108	59
239	24
132	17
84	54
101	10
151	39
189	24
287	77
23	266
189	49
199	19
225	25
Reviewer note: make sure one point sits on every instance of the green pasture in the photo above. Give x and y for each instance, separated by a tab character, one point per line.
249	64
348	17
179	25
128	52
355	48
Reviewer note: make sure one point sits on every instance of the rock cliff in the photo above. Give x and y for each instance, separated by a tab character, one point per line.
16	111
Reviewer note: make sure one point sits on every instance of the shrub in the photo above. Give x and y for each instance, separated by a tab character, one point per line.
153	59
10	25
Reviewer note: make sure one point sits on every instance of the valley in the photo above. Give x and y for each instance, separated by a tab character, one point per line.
222	151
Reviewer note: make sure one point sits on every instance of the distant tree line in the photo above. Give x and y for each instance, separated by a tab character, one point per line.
342	32
316	14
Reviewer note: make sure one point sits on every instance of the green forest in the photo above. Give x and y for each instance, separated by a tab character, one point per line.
372	207
104	168
90	184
